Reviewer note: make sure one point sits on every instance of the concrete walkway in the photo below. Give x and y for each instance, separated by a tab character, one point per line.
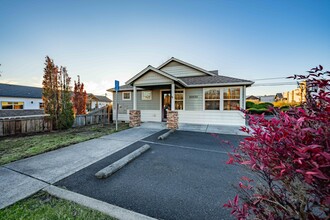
220	129
25	177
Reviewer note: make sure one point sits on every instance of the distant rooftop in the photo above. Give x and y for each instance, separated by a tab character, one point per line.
9	90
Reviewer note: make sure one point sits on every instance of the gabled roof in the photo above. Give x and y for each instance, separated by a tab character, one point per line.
186	64
151	68
8	90
279	95
100	98
197	81
211	78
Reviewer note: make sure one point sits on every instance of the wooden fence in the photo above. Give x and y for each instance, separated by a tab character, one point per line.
24	125
98	116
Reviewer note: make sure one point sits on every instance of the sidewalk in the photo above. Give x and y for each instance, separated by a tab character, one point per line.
23	178
220	129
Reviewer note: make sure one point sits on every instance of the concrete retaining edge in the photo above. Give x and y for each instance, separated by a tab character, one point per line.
112	168
165	135
106	208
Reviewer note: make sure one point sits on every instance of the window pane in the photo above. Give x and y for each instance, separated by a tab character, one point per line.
7	105
178	95
127	95
178	105
212	94
231	93
212	105
231	105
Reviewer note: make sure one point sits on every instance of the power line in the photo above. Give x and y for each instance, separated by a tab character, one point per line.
275	84
261	79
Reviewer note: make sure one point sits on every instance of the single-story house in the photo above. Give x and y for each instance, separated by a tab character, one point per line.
267	98
20	97
199	96
252	98
97	101
17	100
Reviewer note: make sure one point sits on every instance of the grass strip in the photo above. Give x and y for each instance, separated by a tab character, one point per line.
16	148
44	206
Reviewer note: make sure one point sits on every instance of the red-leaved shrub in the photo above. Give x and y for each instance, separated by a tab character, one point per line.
290	155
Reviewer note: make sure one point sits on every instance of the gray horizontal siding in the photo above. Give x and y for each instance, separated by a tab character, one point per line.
124	105
194	99
152	78
153	104
178	70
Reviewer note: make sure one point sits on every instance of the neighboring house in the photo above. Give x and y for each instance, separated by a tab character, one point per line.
297	95
252	98
199	96
16	100
279	97
20	97
97	101
267	98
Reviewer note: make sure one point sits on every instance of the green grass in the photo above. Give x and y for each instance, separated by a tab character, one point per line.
44	206
16	148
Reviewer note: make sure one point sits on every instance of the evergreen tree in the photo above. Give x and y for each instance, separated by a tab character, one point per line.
66	117
50	92
56	95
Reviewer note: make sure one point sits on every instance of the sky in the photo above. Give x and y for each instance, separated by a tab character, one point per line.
103	41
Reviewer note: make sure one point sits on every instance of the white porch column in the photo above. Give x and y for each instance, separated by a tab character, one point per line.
172	96
134	98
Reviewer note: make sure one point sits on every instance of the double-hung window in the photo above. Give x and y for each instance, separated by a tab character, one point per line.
179	96
126	96
222	99
212	99
231	98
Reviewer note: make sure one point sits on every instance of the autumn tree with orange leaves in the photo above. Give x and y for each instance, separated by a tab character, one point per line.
79	98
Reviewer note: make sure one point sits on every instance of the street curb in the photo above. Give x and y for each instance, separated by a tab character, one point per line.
112	168
106	208
165	135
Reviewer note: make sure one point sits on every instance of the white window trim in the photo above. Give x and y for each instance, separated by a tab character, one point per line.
211	88
222	99
240	98
130	96
184	100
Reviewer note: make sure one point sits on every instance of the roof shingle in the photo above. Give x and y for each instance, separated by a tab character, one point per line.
209	80
8	90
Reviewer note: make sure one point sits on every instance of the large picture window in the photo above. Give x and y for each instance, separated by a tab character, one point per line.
126	96
212	99
179	96
222	99
12	105
231	98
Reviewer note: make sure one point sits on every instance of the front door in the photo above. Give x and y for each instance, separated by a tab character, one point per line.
166	104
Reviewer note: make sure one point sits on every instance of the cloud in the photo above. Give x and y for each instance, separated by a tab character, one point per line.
98	88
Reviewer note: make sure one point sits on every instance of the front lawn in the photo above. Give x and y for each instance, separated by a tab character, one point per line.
44	206
16	148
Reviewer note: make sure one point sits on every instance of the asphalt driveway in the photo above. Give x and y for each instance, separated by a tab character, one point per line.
182	177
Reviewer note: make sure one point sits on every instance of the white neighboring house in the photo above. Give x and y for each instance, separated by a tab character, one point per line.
17	97
97	101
